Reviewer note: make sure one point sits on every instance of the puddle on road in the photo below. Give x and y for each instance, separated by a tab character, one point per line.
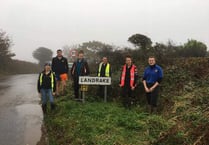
31	115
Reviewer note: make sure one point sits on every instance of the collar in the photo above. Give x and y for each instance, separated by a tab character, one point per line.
152	66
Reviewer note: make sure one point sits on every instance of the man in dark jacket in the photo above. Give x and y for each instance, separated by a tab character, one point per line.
128	81
60	67
79	68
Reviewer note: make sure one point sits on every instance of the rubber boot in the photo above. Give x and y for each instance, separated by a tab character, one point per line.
44	108
52	106
149	108
154	110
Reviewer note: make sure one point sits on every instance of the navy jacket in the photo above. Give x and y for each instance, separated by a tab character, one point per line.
153	74
60	66
83	69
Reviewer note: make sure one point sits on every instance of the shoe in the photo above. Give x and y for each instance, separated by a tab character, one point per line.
44	108
52	106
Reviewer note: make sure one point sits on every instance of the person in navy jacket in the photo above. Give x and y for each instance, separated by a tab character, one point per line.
152	78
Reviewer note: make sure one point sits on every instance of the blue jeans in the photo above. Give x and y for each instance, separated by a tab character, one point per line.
46	93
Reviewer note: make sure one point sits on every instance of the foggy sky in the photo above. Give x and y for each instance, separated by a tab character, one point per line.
55	23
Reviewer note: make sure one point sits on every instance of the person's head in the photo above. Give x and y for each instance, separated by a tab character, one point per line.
104	60
80	55
128	60
151	60
47	67
59	53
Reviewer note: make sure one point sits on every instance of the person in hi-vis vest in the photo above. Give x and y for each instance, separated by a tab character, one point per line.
104	70
47	87
128	81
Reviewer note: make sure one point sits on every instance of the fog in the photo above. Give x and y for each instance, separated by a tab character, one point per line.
55	23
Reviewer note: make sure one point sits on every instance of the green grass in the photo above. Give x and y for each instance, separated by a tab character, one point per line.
101	124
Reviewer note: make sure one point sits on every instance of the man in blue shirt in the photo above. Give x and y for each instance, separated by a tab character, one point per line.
152	78
80	68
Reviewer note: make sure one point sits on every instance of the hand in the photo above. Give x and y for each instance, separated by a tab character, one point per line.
152	89
147	90
120	85
132	88
53	93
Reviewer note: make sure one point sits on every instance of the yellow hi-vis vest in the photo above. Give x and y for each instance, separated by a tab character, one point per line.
107	70
52	80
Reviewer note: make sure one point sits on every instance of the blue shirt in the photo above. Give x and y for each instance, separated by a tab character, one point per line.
78	67
153	74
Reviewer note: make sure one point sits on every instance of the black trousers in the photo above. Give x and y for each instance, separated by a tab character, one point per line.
152	97
76	87
127	96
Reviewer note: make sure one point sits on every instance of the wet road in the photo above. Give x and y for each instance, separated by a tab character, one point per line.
20	112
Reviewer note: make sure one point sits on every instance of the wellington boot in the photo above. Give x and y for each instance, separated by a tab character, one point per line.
154	110
149	109
52	106
44	108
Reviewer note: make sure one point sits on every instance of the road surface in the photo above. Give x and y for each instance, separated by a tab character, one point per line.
20	112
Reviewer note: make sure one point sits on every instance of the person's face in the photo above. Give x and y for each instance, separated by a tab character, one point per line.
104	60
151	61
59	53
80	56
47	68
128	61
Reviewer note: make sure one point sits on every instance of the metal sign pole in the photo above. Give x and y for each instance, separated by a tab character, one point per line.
105	94
83	96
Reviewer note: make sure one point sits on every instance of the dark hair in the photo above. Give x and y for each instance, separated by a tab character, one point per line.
151	56
59	50
81	52
128	56
47	64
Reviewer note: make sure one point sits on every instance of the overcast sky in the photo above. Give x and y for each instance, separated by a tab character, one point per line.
55	23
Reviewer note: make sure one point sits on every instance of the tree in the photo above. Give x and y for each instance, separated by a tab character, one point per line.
140	41
43	55
5	53
94	46
165	52
193	48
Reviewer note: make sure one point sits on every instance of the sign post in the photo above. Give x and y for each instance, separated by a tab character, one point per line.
105	94
86	80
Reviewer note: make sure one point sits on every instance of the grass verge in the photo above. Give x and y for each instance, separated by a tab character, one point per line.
102	123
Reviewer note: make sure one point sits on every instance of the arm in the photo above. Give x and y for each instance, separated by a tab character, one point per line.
54	89
72	71
53	68
147	90
144	82
87	69
136	76
120	76
110	71
159	80
98	69
66	64
38	84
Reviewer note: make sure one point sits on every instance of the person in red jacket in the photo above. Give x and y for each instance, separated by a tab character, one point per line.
128	81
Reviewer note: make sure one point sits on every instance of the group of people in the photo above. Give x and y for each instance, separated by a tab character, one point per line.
52	80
